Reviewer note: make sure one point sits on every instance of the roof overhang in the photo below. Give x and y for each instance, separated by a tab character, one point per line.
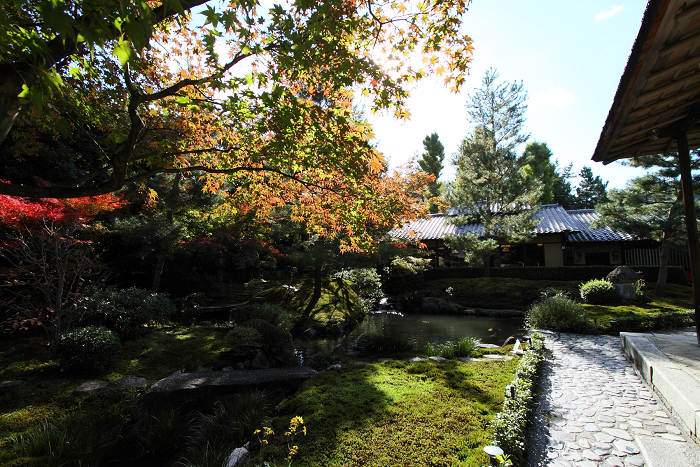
658	96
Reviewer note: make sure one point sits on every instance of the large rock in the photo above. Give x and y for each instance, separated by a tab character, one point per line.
240	457
624	275
188	386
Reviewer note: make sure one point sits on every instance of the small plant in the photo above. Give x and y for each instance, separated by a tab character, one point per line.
639	287
464	347
296	426
88	349
558	313
599	292
449	290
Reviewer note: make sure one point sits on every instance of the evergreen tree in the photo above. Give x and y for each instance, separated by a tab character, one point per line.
538	158
492	186
562	191
591	191
431	162
651	207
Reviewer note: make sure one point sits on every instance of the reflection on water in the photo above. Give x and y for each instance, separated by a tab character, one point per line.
423	328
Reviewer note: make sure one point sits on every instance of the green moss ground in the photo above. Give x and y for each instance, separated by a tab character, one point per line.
396	414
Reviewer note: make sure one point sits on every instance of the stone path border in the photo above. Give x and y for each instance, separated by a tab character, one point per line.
594	410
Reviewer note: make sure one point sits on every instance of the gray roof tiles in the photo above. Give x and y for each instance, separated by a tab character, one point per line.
553	219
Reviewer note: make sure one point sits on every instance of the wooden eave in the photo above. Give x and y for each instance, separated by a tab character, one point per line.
659	93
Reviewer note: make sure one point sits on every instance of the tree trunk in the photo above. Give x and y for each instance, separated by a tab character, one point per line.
663	268
160	263
318	276
487	265
10	87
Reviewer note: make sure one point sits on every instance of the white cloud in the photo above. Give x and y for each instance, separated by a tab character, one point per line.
553	97
609	13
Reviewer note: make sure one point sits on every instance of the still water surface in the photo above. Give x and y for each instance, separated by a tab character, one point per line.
423	328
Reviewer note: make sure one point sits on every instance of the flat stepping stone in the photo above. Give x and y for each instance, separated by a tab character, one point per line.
183	386
437	359
91	387
469	359
494	356
11	384
130	381
415	360
380	360
52	383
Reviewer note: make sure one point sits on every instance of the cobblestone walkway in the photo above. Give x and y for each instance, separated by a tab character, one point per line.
593	407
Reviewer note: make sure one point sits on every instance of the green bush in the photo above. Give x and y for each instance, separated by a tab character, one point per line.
510	426
368	284
269	312
599	292
651	322
277	343
320	361
88	349
243	342
558	313
383	342
128	312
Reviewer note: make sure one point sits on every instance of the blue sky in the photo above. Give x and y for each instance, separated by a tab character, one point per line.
569	54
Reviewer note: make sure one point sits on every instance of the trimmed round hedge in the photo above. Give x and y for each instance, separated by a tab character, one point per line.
599	292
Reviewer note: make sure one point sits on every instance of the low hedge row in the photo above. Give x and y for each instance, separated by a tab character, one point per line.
651	323
510	426
676	274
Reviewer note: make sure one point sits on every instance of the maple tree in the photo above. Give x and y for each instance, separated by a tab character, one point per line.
222	94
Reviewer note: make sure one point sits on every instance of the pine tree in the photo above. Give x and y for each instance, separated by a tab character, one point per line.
591	191
431	163
651	207
492	186
538	158
562	191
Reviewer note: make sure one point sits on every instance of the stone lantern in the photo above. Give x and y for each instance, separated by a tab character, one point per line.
624	279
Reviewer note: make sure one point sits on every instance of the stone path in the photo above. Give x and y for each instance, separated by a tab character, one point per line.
594	410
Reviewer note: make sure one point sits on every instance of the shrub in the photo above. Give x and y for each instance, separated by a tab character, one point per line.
651	322
558	313
384	342
599	292
128	312
188	308
269	312
244	342
464	347
88	349
277	343
509	427
320	361
367	282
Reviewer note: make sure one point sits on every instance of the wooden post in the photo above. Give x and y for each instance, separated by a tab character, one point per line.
691	224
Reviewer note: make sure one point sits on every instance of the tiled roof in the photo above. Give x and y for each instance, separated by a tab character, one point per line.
553	219
583	219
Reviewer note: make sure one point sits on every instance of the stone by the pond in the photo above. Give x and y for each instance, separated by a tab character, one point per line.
130	381
183	386
52	383
260	362
240	457
335	366
11	384
488	346
91	387
338	349
360	363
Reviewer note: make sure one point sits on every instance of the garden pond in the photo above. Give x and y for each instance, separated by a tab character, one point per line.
423	328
